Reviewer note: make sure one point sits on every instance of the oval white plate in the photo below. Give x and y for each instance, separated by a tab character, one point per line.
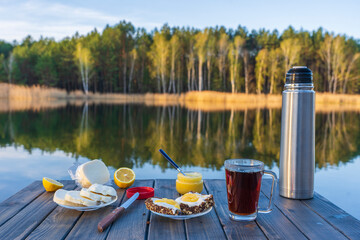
90	208
183	217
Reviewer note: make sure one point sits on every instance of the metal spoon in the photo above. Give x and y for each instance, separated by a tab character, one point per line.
171	161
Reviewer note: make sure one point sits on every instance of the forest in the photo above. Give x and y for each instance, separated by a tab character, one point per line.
125	59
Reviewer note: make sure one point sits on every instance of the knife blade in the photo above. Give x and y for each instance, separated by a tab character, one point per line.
111	217
130	201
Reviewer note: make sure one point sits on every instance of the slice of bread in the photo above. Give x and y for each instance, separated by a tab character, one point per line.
103	190
85	192
92	172
75	197
59	198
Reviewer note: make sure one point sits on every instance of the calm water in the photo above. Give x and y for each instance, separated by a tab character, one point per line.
47	143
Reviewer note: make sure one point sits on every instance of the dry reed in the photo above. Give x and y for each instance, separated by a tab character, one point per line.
15	97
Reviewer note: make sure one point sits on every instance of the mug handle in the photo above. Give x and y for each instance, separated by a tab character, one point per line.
273	185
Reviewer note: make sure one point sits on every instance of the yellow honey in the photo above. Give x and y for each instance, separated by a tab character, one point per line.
190	197
168	201
192	182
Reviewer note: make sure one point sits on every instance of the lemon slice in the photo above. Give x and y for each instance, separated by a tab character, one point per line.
124	177
51	185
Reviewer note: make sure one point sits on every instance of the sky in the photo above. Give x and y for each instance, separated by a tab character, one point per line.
58	19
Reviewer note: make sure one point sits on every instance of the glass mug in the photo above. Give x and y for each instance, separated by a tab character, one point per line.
243	183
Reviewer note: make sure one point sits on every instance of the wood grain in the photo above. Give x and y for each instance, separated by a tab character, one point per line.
57	225
133	221
23	223
334	215
32	214
18	201
165	228
205	227
233	229
86	226
276	225
307	221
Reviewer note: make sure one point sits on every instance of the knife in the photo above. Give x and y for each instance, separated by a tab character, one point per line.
106	221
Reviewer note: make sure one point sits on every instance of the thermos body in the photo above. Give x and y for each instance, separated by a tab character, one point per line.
297	149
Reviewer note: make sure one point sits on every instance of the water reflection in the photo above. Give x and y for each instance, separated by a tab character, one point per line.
130	135
337	138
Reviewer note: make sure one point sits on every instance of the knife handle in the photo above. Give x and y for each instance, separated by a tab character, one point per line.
106	221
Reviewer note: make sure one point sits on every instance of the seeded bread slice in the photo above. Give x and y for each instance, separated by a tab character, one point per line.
149	203
187	210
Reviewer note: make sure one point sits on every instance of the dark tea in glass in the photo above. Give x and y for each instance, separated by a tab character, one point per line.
243	190
243	184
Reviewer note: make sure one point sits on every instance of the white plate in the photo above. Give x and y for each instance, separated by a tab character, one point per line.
183	217
91	208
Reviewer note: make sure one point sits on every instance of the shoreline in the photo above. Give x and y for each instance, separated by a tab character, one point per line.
22	98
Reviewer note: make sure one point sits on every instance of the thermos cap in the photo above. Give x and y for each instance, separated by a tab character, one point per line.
299	74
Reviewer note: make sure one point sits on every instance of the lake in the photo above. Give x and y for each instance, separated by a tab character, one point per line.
34	144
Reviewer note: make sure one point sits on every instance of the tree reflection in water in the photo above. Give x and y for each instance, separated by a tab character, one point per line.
130	135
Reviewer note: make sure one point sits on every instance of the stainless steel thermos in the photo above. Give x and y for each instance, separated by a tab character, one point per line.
297	147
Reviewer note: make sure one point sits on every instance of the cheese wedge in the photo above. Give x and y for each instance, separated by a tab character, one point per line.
75	197
59	198
92	172
94	196
103	190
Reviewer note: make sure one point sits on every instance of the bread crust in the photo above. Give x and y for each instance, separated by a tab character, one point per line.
149	203
184	208
187	210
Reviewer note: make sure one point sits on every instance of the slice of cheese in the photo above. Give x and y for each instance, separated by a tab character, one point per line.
92	172
94	196
102	189
75	197
59	198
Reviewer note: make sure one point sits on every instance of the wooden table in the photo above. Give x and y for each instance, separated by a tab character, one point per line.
31	214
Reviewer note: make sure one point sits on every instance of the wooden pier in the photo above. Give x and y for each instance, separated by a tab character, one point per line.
32	214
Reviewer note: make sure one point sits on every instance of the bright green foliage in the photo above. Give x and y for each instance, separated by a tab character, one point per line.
291	49
235	49
174	59
201	39
261	69
159	54
84	61
274	68
2	68
223	45
129	60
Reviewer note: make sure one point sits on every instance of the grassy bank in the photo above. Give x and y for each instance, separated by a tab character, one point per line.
14	97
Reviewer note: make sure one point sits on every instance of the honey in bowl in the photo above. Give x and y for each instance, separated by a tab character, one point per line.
192	182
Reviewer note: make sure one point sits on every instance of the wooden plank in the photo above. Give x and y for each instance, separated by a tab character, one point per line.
133	223
334	215
23	223
31	213
233	229
205	227
165	228
86	226
308	222
275	225
57	224
18	201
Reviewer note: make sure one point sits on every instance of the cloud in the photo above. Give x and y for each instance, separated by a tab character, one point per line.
50	19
